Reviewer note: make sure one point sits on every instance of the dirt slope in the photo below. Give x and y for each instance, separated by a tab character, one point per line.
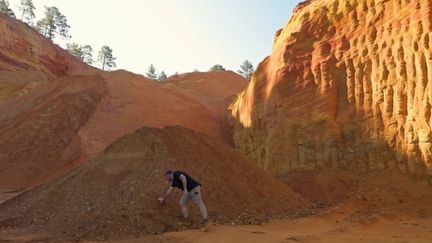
134	101
114	195
49	125
209	85
216	90
39	122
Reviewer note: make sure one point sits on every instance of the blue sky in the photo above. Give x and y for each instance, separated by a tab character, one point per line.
174	35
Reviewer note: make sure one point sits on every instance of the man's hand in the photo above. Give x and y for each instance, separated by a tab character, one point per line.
185	193
161	200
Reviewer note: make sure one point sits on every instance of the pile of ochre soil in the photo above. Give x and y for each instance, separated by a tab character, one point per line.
115	195
367	198
389	195
325	188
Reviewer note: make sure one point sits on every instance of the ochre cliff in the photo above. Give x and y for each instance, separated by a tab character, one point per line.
348	85
23	48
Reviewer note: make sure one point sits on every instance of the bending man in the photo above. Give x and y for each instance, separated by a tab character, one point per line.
191	190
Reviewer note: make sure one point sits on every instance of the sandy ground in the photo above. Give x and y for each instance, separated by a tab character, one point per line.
347	221
383	207
320	228
327	227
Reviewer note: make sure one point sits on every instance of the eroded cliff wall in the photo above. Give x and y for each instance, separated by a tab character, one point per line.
348	85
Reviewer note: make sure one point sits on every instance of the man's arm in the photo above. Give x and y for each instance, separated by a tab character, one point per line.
167	193
184	182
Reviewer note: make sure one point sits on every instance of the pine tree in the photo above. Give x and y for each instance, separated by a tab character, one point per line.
151	72
27	11
106	58
53	23
82	52
246	70
217	68
162	76
4	8
87	54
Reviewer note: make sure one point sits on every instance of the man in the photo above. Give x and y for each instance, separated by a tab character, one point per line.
191	190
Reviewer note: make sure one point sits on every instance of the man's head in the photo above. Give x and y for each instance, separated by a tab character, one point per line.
169	175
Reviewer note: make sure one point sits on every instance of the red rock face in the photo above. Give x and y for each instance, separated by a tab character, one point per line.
22	48
348	85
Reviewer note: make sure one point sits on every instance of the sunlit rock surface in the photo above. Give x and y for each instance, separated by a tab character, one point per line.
348	85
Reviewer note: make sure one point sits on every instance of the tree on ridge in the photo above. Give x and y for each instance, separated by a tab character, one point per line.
82	52
27	11
106	58
4	8
53	23
162	76
217	68
246	70
151	72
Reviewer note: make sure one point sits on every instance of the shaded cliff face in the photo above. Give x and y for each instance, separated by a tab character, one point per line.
23	48
348	85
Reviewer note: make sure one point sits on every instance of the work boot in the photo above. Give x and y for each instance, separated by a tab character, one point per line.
207	225
184	223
